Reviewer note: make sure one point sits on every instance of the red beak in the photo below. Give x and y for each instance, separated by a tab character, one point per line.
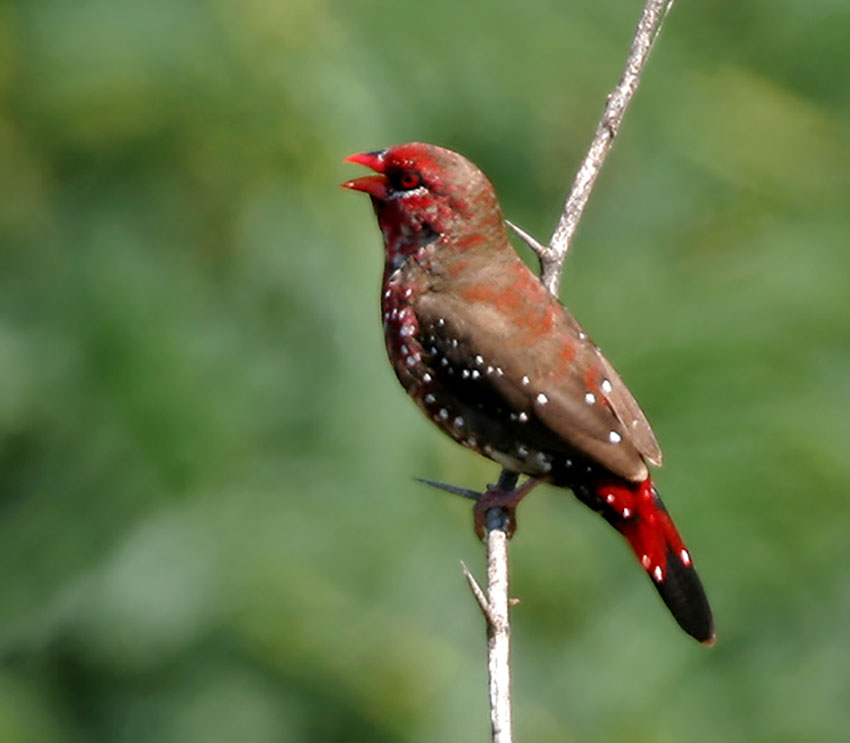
374	160
374	185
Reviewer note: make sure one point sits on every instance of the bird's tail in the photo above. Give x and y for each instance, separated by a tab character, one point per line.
636	511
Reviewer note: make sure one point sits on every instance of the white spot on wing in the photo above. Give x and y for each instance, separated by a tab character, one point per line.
590	398
658	574
526	380
523	418
542	399
606	386
614	437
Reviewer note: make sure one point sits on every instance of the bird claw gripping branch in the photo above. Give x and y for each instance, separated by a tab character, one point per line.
495	361
497	495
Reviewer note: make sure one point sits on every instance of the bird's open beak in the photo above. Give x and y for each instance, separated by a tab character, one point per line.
374	185
374	160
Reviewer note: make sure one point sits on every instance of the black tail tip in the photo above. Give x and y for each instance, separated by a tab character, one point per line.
685	597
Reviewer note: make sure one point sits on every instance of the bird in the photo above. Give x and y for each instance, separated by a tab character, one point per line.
502	367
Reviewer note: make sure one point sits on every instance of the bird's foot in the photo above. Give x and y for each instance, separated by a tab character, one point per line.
503	495
500	497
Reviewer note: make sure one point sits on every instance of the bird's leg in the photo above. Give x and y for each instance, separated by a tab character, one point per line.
499	496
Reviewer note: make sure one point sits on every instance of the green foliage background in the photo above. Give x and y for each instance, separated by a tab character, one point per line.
208	526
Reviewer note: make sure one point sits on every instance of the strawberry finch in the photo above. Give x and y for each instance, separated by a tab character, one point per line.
498	364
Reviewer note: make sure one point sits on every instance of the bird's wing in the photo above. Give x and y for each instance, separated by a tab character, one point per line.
622	402
535	359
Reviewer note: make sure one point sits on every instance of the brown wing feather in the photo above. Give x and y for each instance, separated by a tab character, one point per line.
548	373
622	402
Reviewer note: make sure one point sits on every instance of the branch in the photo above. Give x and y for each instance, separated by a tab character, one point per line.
497	616
552	257
496	604
498	626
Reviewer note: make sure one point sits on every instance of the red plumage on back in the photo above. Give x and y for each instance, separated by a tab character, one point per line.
495	361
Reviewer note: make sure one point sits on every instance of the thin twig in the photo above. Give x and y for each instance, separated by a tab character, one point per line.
497	603
498	627
552	258
498	617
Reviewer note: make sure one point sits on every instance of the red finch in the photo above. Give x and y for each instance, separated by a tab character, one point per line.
498	364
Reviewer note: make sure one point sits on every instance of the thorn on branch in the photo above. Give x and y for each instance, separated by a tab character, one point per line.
453	489
532	242
478	592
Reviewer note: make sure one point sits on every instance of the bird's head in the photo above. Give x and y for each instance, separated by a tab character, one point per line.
422	193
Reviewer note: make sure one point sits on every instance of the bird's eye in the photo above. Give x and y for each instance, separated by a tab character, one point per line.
409	179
